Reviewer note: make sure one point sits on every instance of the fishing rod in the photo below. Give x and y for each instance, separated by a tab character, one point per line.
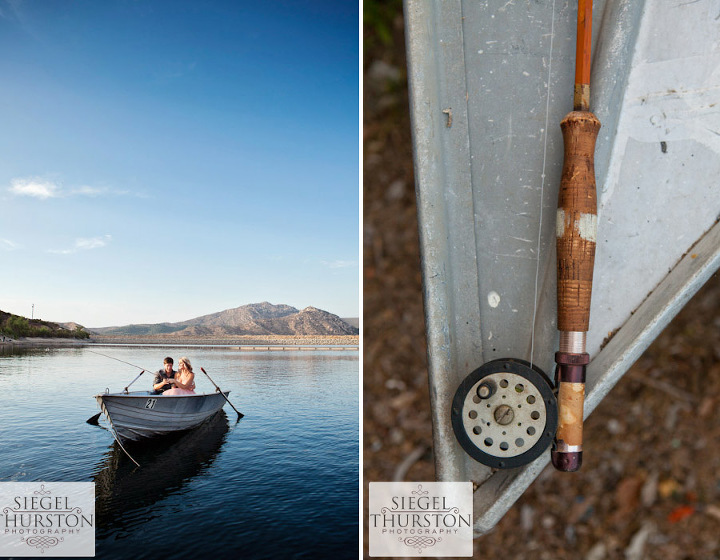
119	360
95	418
576	231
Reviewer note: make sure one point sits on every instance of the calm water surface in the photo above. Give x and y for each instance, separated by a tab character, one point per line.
281	483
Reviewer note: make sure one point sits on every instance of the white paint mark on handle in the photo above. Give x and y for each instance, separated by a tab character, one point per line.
493	299
586	226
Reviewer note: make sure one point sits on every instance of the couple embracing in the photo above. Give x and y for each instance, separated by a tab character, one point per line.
170	382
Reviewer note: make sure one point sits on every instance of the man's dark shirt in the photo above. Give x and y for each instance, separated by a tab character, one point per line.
159	376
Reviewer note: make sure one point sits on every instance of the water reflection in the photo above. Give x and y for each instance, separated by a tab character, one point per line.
15	350
20	350
167	465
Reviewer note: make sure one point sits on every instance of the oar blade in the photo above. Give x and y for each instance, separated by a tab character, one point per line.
94	419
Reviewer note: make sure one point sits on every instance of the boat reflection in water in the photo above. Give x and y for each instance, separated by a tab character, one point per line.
123	491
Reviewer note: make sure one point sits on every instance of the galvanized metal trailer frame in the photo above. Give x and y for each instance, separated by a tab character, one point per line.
489	84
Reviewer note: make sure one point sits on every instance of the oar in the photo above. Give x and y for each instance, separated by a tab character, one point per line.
240	414
133	381
576	237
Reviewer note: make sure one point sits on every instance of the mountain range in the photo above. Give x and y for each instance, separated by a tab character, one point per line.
253	319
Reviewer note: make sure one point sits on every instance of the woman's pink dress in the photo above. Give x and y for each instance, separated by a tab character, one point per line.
178	390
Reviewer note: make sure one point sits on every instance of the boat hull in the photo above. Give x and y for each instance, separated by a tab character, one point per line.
141	415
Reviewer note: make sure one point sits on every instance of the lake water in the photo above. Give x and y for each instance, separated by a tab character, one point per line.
283	482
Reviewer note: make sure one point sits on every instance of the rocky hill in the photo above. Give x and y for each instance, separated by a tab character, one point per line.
16	326
353	321
254	319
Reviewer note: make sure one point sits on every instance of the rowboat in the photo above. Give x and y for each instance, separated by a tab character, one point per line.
139	415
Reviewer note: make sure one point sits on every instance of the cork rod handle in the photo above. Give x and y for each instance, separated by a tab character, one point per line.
577	221
576	238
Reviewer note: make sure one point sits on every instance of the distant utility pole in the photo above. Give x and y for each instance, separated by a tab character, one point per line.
32	313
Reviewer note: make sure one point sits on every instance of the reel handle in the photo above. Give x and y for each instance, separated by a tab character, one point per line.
576	239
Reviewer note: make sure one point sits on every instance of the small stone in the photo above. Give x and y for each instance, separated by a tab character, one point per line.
597	552
636	548
713	511
396	436
395	384
382	72
615	427
396	190
649	492
527	517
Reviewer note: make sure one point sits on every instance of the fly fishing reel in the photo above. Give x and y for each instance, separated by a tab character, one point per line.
505	414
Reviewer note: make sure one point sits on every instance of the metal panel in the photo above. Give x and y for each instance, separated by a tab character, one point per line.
489	83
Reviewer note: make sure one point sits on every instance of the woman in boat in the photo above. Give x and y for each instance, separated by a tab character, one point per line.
184	381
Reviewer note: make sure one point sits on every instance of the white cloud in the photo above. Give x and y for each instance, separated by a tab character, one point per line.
36	188
83	244
92	242
88	191
7	245
340	264
44	189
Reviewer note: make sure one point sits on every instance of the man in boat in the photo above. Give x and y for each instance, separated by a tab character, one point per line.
161	383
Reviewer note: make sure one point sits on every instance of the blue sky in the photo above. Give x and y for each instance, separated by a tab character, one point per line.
161	160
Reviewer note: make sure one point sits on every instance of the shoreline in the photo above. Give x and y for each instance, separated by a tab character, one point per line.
35	341
244	342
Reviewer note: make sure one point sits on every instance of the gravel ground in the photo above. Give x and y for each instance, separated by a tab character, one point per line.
650	483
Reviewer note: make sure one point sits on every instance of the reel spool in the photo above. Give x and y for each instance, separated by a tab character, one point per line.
505	414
